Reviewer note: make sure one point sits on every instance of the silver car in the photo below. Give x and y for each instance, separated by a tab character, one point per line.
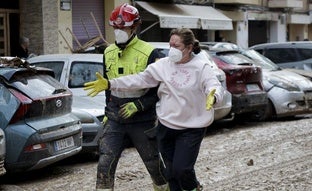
2	152
289	93
73	70
222	110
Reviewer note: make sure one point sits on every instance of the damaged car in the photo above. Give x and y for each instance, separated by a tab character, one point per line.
36	117
73	70
289	93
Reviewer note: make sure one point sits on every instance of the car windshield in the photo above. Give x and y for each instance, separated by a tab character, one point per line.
260	60
82	72
44	85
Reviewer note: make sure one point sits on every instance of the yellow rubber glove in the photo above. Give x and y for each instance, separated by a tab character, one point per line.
104	120
96	86
210	99
127	110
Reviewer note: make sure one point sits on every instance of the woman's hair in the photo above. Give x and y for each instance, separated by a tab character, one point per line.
187	37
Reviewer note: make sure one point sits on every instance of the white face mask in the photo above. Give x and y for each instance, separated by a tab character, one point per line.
121	36
175	55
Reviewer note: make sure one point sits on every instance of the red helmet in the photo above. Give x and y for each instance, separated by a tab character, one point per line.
124	15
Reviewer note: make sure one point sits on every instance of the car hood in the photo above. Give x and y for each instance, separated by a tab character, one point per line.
288	76
90	105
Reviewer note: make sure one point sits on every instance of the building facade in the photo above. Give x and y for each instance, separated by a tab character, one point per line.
65	26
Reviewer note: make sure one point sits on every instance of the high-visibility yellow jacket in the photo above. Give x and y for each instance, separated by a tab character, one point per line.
133	59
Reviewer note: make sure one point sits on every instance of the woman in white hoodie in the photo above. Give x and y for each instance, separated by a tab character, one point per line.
187	90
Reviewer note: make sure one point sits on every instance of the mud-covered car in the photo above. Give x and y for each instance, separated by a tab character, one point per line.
36	117
2	152
73	70
244	81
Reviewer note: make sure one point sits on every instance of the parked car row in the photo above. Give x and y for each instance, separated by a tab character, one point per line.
289	93
36	117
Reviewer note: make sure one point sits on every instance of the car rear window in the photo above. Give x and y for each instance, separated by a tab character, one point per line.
56	66
82	72
37	86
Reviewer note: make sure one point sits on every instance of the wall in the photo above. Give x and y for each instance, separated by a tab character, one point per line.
40	22
297	32
64	21
50	26
31	24
108	8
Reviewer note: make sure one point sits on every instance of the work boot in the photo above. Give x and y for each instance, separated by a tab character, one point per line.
164	187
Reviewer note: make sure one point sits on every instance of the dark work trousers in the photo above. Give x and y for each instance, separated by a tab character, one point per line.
115	139
179	150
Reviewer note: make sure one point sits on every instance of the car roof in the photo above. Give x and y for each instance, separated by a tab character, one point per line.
282	44
72	57
160	44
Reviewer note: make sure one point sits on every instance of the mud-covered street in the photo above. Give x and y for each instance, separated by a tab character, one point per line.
250	156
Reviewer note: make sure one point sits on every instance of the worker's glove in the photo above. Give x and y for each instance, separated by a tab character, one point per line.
210	99
127	110
104	121
96	86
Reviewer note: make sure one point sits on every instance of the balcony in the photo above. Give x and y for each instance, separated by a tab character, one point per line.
241	2
285	3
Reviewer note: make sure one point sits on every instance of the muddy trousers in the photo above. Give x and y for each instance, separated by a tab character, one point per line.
115	139
179	150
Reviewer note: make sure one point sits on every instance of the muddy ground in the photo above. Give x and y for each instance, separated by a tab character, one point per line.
249	156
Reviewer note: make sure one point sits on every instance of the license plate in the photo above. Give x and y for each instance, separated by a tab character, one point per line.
64	143
252	87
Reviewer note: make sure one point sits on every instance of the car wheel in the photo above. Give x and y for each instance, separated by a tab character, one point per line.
268	112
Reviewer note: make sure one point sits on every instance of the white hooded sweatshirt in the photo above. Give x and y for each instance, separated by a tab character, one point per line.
183	90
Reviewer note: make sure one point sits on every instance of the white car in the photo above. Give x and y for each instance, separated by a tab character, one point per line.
222	110
73	70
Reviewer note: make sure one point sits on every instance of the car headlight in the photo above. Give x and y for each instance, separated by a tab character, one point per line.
287	85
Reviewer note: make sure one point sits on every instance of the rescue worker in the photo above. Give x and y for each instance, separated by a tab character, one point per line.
131	116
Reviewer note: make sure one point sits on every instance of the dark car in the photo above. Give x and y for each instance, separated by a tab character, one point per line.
244	82
36	117
295	54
